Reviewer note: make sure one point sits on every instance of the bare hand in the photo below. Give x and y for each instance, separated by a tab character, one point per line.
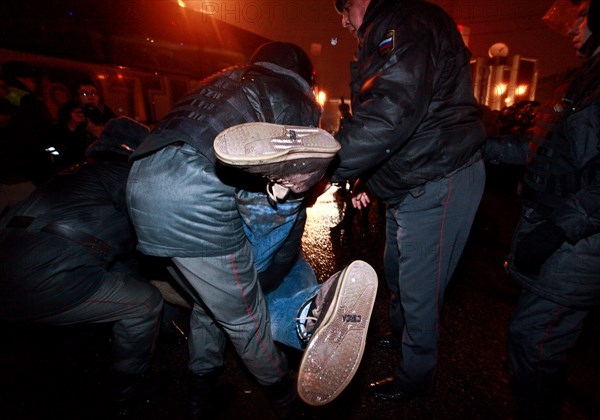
361	200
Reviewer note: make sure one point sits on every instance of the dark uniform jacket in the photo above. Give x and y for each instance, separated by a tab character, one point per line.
260	92
238	95
562	185
414	113
56	246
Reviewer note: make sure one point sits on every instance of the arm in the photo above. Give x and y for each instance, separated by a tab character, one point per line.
510	149
577	218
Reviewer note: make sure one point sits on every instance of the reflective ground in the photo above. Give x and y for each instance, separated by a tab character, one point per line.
61	373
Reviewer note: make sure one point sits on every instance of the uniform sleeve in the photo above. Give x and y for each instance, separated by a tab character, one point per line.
510	149
388	106
579	217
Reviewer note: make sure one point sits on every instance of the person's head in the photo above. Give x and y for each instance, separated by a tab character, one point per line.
353	13
579	20
585	32
288	56
87	92
71	114
580	32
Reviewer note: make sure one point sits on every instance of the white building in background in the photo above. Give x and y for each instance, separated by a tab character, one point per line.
500	80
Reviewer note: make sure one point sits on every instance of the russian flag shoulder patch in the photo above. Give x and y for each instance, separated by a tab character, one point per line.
386	46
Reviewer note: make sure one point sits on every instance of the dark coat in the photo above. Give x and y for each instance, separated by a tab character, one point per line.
562	185
176	198
43	273
234	96
56	245
414	114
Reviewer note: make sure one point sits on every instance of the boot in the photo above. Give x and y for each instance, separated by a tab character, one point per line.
131	392
282	397
201	396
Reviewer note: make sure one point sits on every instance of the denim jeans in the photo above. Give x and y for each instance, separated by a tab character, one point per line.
298	287
266	225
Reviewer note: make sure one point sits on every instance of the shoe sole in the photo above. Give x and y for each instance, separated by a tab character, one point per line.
337	346
259	143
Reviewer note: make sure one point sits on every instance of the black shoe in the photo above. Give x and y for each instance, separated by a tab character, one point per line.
389	341
201	402
283	397
130	393
389	390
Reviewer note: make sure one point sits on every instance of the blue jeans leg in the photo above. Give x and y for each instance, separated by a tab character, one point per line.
266	226
299	286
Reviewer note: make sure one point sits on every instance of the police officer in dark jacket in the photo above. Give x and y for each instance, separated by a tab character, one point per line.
185	207
555	253
414	139
65	255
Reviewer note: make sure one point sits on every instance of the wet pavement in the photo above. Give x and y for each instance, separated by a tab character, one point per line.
60	373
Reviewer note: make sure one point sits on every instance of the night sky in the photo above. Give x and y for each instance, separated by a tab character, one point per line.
316	26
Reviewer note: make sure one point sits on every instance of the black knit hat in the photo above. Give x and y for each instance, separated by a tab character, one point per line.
121	136
288	56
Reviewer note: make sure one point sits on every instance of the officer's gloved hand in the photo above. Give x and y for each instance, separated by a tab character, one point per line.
536	246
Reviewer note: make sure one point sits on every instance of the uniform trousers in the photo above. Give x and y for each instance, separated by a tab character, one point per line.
135	308
426	234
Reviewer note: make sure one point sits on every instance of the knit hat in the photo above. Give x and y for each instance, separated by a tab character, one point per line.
288	56
121	136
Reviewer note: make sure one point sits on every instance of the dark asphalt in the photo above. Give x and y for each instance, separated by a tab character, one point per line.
61	373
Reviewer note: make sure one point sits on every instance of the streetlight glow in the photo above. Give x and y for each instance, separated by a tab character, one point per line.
321	97
521	90
500	89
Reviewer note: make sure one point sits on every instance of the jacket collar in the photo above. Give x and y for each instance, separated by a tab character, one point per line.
374	10
289	73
